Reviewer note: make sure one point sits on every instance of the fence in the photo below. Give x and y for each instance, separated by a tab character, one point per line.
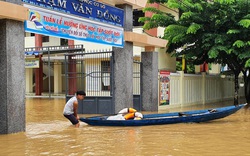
188	89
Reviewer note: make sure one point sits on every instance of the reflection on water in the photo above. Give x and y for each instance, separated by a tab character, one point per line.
49	133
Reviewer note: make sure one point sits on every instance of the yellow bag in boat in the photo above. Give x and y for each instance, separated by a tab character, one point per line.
127	110
129	116
136	115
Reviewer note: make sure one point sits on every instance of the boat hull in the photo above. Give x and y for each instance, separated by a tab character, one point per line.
195	116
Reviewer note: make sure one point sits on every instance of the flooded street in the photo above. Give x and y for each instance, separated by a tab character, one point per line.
49	133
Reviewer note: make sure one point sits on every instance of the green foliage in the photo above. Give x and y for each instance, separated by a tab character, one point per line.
173	4
213	53
219	30
216	30
242	56
198	6
225	1
187	15
233	31
157	1
245	23
247	16
153	10
179	66
239	44
159	19
175	33
220	39
247	63
193	28
190	67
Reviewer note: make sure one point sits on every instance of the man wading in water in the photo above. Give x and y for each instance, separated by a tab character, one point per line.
70	109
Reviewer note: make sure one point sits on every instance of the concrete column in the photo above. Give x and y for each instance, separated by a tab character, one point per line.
203	87
123	66
12	76
181	87
72	70
29	80
197	69
39	71
204	67
72	76
38	41
57	77
215	69
149	81
39	76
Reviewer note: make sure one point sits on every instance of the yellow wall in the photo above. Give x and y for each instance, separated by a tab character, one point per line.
165	60
215	69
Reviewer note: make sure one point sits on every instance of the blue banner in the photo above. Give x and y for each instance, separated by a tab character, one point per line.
84	8
52	23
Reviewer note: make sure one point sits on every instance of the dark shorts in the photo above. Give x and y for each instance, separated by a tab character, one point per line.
72	119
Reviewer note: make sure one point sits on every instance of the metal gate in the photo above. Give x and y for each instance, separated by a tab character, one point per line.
51	57
93	73
137	81
88	71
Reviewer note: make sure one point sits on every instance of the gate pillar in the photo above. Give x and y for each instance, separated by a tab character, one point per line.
12	74
123	66
72	71
72	76
39	71
39	76
149	76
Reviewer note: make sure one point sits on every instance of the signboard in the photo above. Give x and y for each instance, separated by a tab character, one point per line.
164	87
52	23
30	53
89	9
32	63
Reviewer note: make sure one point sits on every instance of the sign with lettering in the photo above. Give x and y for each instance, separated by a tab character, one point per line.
32	63
90	9
53	23
164	87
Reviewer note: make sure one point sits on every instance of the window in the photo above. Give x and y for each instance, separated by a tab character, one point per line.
105	75
136	15
45	38
63	42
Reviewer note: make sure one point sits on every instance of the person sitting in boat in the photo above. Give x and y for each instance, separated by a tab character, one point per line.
127	114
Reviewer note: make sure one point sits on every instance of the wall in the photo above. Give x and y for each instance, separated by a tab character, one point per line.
165	61
188	89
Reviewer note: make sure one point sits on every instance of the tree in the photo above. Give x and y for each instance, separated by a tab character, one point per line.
217	30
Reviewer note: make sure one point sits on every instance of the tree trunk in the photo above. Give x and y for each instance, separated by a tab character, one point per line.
247	87
236	89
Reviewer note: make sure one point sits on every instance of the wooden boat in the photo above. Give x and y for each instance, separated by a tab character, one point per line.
194	116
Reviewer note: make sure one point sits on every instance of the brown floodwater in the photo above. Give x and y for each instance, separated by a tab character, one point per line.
49	133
